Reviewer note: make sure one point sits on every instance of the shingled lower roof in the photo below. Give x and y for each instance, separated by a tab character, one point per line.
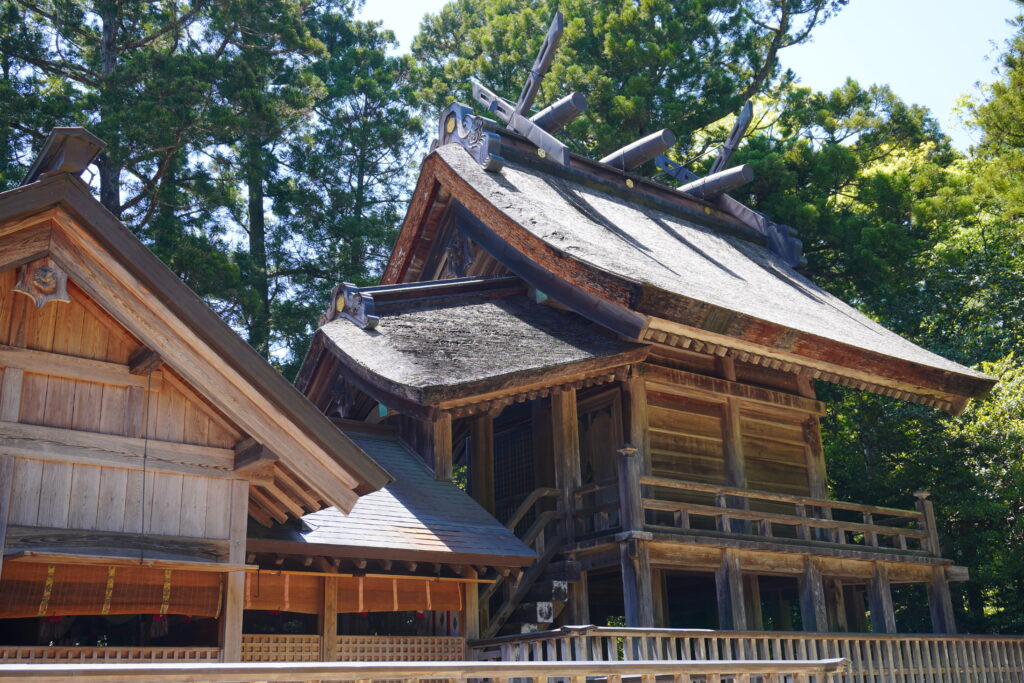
672	268
415	517
430	349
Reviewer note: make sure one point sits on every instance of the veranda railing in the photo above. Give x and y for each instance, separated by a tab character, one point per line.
874	658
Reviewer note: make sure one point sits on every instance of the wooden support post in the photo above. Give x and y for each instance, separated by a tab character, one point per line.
835	599
636	583
471	620
940	602
927	510
234	590
630	505
481	464
579	601
732	450
6	482
729	587
637	433
813	612
566	446
329	620
442	443
660	598
883	617
856	612
752	597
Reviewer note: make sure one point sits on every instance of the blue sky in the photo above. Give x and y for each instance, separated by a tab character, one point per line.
929	51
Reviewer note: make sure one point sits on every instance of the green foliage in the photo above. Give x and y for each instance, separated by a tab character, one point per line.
259	148
642	65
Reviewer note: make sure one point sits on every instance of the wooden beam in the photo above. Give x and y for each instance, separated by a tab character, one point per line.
328	620
81	559
442	444
729	587
144	361
637	432
23	246
471	620
883	617
10	394
73	367
255	462
115	543
234	584
752	596
637	590
566	450
6	482
813	611
52	444
481	465
940	602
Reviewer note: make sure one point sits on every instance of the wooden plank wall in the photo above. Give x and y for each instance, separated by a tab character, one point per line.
79	496
687	437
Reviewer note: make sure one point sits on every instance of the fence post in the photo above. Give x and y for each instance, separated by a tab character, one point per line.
927	510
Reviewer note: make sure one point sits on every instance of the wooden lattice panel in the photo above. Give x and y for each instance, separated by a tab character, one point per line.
280	648
400	649
35	655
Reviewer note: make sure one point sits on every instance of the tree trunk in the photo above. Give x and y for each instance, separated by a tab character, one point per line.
259	315
109	171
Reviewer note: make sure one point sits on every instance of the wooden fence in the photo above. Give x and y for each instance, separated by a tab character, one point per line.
895	658
495	672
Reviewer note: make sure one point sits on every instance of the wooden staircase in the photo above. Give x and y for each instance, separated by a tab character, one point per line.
534	598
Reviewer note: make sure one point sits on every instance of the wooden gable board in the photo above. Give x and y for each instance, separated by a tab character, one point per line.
58	216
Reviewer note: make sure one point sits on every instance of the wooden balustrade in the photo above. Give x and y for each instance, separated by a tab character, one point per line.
497	672
874	658
811	518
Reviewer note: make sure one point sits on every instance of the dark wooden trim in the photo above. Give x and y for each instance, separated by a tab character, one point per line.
89	542
301	549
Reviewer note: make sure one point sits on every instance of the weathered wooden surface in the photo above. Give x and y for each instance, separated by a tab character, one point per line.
874	658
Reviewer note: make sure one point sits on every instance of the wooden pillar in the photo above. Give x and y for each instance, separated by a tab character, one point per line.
234	589
660	598
637	433
329	620
442	444
835	601
813	612
927	510
729	587
883	617
6	482
579	601
752	598
637	591
631	509
471	606
856	612
940	602
565	439
481	465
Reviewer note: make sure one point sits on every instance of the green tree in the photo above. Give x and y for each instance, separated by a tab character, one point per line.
643	66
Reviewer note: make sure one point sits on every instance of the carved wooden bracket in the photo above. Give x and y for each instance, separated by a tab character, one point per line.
43	281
